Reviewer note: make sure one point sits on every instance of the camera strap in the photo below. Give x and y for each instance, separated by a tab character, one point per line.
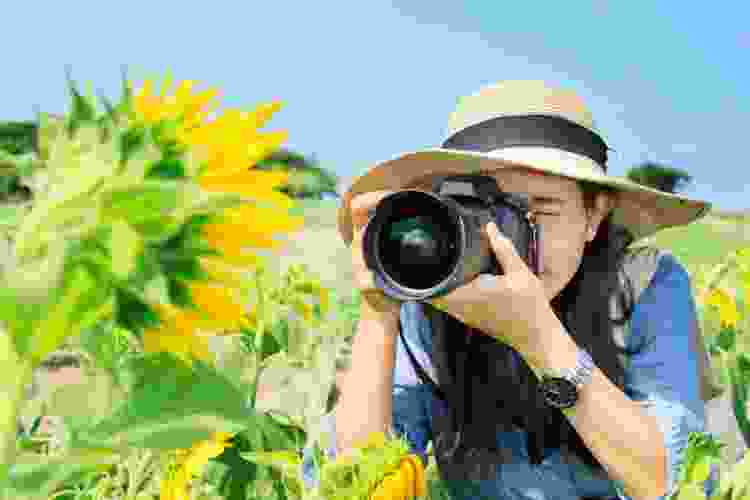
418	368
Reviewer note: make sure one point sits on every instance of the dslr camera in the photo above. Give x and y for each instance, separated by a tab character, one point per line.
423	244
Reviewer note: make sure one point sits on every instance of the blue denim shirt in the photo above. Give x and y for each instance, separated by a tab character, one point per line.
663	371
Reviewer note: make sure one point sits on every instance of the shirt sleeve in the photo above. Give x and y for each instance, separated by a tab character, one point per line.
662	372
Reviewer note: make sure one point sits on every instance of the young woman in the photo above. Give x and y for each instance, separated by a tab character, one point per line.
494	344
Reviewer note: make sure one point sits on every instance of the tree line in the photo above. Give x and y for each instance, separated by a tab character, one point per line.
307	178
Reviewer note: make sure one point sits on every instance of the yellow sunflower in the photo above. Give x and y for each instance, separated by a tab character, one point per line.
726	305
227	147
406	482
181	332
190	464
192	108
177	334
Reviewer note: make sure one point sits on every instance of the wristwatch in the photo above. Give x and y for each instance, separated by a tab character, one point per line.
560	388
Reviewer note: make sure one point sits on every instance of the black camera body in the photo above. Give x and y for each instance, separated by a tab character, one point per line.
423	244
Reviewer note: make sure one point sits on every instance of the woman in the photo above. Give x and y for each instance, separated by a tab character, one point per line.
490	342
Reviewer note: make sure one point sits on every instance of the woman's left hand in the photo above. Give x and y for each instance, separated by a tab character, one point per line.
512	308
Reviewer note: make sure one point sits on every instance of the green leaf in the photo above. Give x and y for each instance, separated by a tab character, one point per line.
125	246
156	291
146	267
287	462
164	134
71	207
10	217
20	315
189	403
278	458
82	110
167	168
190	230
197	201
158	229
273	342
268	432
111	112
702	451
106	347
182	266
40	476
179	294
126	99
132	313
726	339
740	379
700	470
142	201
131	140
81	303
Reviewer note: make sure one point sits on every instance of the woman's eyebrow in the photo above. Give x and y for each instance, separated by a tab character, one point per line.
547	199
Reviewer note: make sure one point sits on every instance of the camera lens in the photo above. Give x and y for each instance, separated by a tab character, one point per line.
418	243
415	240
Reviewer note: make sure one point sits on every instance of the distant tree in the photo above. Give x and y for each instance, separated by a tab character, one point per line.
18	138
660	177
307	179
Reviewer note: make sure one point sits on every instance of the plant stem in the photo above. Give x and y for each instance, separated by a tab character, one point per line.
259	332
137	476
13	392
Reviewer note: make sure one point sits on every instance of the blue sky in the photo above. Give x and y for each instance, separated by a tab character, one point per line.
364	81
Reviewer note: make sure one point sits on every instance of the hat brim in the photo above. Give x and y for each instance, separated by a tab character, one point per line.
640	209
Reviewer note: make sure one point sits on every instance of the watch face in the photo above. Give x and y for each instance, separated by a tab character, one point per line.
559	392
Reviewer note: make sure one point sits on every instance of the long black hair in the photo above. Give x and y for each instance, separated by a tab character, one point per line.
490	388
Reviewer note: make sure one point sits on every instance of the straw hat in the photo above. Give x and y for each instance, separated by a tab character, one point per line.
527	124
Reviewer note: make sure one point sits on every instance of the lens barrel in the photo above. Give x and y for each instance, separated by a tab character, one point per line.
423	245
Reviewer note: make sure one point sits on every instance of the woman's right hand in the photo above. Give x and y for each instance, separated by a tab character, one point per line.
362	208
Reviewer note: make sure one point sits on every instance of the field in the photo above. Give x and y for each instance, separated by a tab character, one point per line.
318	245
703	243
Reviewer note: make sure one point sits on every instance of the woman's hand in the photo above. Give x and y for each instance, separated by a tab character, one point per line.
362	208
512	308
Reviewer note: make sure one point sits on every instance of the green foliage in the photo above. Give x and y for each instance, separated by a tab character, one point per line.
35	476
271	343
187	404
18	137
17	144
239	472
141	202
132	312
307	179
740	380
107	346
40	322
661	177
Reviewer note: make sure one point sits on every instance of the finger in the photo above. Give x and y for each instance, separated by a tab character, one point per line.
364	276
363	206
504	249
464	294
